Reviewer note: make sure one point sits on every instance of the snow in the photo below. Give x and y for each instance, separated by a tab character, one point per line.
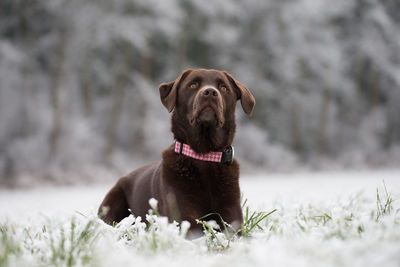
327	219
260	190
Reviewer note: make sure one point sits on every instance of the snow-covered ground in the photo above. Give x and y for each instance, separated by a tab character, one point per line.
260	190
322	219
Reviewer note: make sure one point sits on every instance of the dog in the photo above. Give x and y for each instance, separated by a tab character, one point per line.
197	175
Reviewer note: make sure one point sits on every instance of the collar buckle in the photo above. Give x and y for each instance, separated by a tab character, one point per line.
228	155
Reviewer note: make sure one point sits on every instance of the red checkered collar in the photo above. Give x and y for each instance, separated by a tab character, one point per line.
220	157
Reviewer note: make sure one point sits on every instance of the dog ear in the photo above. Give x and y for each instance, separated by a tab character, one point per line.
168	91
246	98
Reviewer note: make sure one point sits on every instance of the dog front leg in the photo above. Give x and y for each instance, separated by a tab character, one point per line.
233	215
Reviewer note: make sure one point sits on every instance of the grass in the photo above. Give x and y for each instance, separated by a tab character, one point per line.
86	241
253	220
385	205
220	239
9	247
73	245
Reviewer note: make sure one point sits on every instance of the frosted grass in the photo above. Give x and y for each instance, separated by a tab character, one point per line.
359	229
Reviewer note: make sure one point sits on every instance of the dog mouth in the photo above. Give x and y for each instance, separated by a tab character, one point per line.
207	113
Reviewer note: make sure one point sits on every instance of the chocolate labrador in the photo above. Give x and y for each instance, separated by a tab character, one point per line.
197	174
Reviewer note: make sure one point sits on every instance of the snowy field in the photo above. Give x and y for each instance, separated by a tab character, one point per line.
321	219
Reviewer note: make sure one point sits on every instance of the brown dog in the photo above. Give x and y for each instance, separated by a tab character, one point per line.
197	175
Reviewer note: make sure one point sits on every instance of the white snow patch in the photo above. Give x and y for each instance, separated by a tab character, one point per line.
322	219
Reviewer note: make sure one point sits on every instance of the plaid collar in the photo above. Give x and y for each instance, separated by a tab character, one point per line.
221	157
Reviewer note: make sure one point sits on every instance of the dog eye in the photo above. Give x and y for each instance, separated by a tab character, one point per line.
193	86
224	88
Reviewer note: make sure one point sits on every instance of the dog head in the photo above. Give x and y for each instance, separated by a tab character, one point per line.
203	104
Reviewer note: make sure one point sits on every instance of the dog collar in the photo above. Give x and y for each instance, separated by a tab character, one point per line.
221	157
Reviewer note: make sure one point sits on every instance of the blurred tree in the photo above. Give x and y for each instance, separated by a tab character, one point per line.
78	80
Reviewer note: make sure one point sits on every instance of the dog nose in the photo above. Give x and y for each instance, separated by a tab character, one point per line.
210	92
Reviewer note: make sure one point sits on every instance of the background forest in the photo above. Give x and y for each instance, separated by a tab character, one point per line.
79	82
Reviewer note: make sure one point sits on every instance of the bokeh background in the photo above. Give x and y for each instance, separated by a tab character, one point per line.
79	83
